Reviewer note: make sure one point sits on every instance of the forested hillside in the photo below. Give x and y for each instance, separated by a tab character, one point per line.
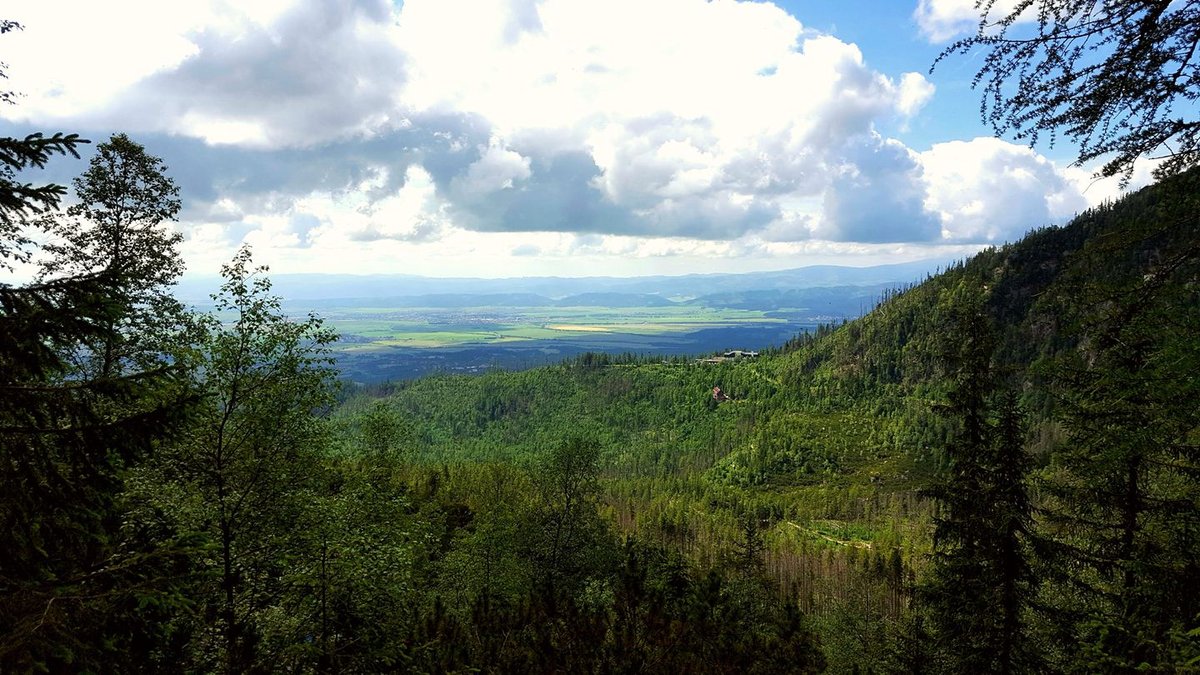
840	458
996	470
993	471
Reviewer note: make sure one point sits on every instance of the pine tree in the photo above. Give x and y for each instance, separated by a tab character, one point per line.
1123	494
80	577
981	582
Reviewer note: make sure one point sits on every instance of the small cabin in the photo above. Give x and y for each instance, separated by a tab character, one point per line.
740	354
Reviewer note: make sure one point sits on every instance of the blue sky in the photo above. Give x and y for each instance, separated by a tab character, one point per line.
891	39
547	137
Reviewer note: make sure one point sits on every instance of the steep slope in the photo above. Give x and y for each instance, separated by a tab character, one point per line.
817	471
890	352
831	438
885	364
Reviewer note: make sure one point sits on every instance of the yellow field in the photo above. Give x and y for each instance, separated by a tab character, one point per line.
578	328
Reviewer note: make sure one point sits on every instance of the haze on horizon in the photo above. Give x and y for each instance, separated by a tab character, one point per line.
546	137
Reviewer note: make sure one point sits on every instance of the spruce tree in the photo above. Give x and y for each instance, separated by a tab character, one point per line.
81	579
980	584
1123	493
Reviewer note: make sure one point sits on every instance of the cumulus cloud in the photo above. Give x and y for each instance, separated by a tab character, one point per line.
1098	191
942	20
915	91
989	190
878	195
673	129
289	75
680	119
320	71
676	119
790	226
526	250
496	169
58	88
414	213
559	195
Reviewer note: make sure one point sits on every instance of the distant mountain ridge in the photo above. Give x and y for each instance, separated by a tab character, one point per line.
826	301
311	287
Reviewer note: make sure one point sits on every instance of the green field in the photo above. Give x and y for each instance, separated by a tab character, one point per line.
373	328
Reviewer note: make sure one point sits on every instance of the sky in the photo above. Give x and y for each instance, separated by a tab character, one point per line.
501	138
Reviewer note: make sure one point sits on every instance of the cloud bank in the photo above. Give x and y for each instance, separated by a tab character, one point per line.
525	128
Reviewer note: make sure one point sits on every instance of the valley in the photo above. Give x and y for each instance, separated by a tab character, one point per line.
389	344
402	337
550	337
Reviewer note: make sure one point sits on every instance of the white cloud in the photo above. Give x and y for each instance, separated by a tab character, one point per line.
989	190
1097	191
675	129
684	118
585	59
253	74
110	49
915	91
413	213
942	20
496	169
878	196
678	118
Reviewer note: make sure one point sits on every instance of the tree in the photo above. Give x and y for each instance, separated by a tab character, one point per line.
20	201
80	576
75	561
1123	493
350	578
385	435
1117	77
568	536
125	197
485	563
243	468
981	582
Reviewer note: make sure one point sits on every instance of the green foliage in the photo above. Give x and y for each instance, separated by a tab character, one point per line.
124	198
242	472
566	543
489	560
655	614
86	574
1123	498
349	575
75	562
385	435
472	523
1071	71
981	584
833	437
